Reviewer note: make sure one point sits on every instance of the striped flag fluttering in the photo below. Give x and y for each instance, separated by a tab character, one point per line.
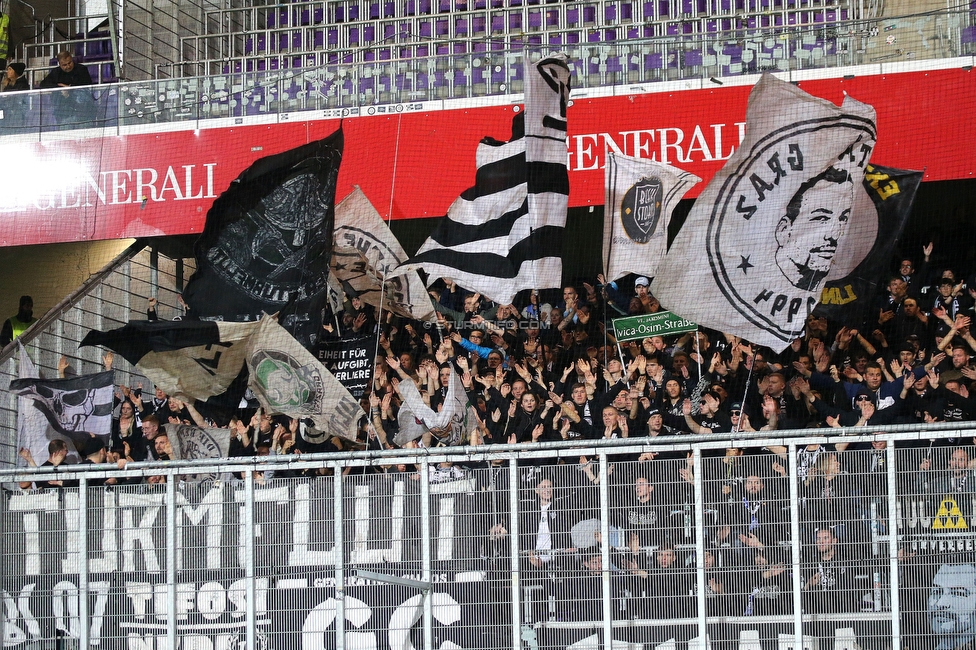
505	234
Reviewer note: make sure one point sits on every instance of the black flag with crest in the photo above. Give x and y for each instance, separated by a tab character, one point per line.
892	191
267	243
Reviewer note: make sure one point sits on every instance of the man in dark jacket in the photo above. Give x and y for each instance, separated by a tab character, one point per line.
67	74
69	106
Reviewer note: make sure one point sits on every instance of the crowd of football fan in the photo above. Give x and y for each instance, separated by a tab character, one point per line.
548	372
540	372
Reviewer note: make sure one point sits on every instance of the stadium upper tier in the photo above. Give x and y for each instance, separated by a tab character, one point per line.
303	57
387	30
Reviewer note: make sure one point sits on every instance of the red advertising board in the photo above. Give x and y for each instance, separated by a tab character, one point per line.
414	164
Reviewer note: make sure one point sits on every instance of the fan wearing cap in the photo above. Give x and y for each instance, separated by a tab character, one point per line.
14	78
649	304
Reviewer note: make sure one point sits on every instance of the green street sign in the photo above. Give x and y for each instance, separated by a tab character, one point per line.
660	324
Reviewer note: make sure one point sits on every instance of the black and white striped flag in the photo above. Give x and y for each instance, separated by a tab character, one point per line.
505	234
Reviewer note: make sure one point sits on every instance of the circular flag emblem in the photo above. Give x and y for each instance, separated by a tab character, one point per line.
640	209
790	216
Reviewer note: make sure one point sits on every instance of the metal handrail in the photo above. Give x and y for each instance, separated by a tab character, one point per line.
501	452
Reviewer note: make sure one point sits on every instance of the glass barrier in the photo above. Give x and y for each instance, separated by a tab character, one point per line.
346	82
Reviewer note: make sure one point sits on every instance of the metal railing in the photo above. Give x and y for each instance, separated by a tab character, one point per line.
109	299
91	39
794	545
315	82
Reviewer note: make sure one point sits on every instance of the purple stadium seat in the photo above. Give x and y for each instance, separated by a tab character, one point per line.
497	74
515	21
367	84
552	18
535	19
478	25
478	75
693	59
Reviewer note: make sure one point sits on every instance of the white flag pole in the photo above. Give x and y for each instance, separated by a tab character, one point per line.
698	350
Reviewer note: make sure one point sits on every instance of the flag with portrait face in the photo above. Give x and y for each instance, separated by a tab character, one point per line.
777	221
890	194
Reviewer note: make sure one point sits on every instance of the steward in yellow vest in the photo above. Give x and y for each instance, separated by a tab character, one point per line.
17	325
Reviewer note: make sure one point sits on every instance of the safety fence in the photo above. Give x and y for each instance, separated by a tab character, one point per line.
666	543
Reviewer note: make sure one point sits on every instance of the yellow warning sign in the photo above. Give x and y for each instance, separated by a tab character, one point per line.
949	516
